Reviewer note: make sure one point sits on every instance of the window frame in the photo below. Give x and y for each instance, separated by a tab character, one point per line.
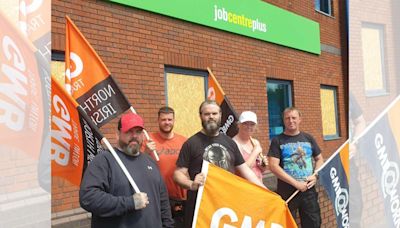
58	56
185	101
185	71
337	135
290	98
318	9
384	90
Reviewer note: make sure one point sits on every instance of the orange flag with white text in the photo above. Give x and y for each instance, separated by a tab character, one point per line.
35	20
226	199
75	141
22	94
89	81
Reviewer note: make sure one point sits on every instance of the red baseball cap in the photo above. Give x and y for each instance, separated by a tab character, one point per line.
131	120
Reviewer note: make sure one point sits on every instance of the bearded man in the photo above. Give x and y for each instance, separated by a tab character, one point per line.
168	143
211	145
106	193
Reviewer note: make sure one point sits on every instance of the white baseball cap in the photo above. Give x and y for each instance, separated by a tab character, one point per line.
248	116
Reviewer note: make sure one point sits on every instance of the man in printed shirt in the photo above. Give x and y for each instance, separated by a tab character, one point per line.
290	159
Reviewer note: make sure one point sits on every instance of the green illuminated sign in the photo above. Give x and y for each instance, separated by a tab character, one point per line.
252	18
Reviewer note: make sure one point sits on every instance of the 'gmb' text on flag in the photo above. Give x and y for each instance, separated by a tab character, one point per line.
229	117
244	205
379	144
334	177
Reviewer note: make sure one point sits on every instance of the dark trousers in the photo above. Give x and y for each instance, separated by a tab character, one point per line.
309	211
177	212
356	202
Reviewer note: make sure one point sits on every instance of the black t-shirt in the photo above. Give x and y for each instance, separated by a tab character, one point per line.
295	154
220	150
355	112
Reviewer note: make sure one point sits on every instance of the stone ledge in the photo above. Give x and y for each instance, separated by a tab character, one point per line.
74	215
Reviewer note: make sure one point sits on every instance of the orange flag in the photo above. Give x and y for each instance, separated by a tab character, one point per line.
35	19
228	200
229	116
21	92
89	81
74	140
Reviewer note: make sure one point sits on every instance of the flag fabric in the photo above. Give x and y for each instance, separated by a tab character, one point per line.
74	139
34	20
334	176
21	93
229	116
379	145
243	205
89	81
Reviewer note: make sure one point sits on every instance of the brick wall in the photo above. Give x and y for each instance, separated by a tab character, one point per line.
372	207
136	45
23	202
384	14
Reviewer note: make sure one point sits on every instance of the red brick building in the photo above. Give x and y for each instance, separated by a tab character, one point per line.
374	83
145	51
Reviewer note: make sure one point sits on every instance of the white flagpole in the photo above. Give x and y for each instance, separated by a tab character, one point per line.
127	174
320	168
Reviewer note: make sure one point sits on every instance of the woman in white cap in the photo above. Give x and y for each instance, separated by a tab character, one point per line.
250	148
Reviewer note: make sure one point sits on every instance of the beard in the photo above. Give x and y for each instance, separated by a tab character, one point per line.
131	150
167	129
211	127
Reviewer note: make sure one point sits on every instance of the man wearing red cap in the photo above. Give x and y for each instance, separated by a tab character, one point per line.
106	193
